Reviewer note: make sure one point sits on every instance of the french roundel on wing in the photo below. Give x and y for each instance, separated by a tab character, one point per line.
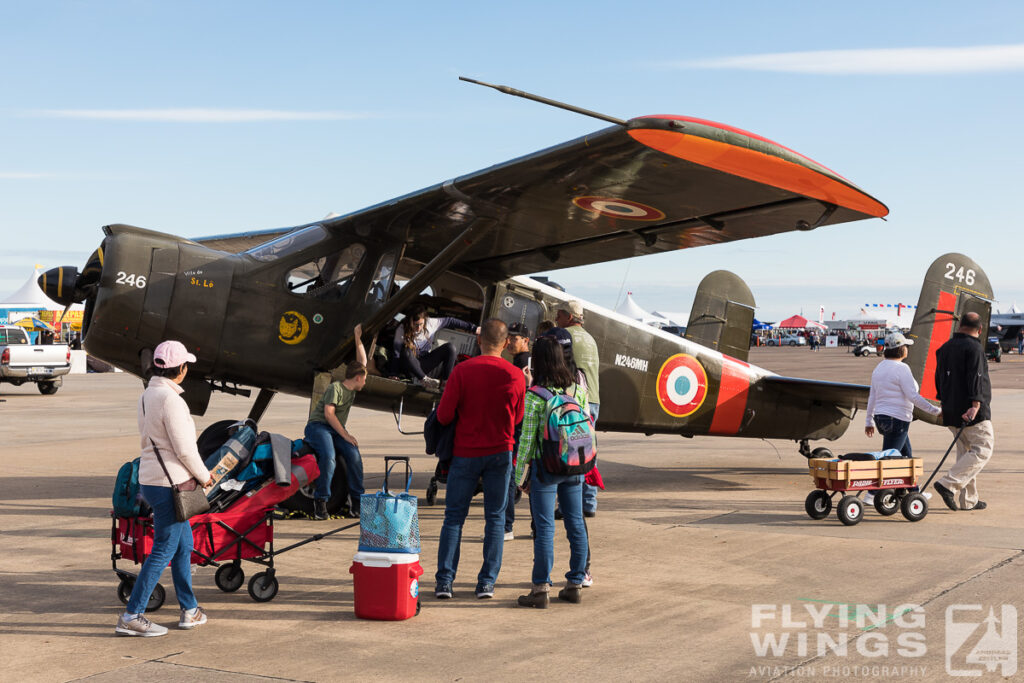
682	385
619	208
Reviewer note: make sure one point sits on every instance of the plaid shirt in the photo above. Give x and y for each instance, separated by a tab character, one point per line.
533	426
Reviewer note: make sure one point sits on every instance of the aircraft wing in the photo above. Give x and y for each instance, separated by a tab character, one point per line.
657	184
841	393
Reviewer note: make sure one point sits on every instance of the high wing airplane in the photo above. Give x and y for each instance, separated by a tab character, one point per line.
274	309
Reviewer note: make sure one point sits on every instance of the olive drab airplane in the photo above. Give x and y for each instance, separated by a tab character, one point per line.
275	309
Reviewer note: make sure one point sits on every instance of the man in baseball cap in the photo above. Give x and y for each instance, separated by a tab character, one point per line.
171	354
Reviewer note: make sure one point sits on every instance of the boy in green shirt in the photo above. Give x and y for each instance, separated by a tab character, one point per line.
327	434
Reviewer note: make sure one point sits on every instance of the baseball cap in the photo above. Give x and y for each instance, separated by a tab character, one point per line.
560	335
171	354
518	330
895	340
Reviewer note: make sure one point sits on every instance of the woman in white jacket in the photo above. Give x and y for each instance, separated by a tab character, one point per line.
165	425
894	393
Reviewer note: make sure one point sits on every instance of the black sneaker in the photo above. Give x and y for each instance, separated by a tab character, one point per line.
443	591
948	497
980	505
485	591
353	513
590	513
319	509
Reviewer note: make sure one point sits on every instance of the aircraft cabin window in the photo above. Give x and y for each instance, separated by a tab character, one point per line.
328	277
286	244
381	284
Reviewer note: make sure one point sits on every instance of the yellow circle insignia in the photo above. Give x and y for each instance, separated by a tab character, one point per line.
292	328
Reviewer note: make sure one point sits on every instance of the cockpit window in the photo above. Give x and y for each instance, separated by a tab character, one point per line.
292	242
328	277
381	284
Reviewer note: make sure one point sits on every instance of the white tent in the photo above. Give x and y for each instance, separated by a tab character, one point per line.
630	309
29	295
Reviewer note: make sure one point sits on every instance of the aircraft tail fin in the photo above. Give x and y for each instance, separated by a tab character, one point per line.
722	314
954	285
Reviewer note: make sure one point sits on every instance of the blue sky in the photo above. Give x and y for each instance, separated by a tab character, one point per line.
200	118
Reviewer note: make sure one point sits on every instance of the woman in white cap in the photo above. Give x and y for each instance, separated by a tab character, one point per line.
894	393
168	434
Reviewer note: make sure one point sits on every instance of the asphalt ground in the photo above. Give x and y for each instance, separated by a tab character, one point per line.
702	552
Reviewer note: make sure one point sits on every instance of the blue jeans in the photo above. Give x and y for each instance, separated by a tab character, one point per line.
463	475
895	434
544	487
172	542
590	492
510	505
329	445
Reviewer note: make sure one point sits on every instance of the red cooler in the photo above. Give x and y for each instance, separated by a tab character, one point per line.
386	585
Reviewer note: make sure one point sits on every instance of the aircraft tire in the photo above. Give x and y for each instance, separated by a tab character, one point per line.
302	501
213	437
850	510
818	504
822	452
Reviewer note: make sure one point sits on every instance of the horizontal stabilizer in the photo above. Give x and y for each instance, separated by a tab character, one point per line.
840	393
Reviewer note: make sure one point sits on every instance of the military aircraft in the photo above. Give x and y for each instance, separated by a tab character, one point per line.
274	309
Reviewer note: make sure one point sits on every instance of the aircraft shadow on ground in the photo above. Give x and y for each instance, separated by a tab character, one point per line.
62	487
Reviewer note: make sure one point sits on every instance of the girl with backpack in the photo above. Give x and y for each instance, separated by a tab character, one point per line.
551	476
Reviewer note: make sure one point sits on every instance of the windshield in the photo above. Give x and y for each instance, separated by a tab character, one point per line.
328	277
292	242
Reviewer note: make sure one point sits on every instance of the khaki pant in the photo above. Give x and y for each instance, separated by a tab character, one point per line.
973	449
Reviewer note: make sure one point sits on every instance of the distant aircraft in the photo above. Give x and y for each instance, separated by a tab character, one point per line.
274	309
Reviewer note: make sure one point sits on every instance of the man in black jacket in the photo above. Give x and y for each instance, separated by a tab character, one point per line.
963	387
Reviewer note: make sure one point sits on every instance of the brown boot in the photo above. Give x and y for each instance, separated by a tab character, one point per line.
538	597
573	592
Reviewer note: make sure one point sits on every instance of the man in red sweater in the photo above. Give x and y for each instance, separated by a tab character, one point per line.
486	394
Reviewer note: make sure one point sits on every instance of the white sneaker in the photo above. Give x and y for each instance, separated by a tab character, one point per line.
430	384
509	536
869	498
187	621
927	494
139	626
588	580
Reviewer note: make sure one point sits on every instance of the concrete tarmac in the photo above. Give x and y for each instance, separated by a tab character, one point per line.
704	559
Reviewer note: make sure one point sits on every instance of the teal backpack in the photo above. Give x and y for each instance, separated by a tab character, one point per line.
127	499
567	445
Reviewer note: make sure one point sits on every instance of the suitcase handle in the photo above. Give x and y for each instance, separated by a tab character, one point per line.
389	462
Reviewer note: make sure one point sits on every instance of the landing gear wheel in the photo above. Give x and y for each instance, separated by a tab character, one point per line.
914	507
432	491
229	577
886	502
263	587
851	510
818	504
821	452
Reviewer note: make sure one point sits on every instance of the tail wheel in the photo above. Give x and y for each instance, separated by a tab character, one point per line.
850	511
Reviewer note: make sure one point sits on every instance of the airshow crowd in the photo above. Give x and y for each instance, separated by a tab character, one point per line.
497	409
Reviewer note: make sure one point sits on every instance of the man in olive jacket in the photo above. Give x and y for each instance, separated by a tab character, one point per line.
964	388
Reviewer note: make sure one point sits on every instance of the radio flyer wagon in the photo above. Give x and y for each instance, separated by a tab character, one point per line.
893	480
243	531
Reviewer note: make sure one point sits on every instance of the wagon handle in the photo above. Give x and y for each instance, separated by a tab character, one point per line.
953	443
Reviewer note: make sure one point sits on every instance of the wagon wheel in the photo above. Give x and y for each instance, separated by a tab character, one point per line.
124	589
229	577
818	504
851	510
156	598
886	502
914	507
263	587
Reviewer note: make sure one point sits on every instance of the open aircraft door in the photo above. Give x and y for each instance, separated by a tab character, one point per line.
722	315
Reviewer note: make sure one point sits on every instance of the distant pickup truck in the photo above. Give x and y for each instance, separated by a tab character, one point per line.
22	362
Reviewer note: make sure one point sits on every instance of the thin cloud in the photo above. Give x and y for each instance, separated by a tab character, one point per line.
199	115
20	175
909	60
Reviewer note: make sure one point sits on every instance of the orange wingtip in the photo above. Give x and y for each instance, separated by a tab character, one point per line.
759	167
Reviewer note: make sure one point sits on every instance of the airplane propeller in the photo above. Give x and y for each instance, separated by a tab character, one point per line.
67	286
